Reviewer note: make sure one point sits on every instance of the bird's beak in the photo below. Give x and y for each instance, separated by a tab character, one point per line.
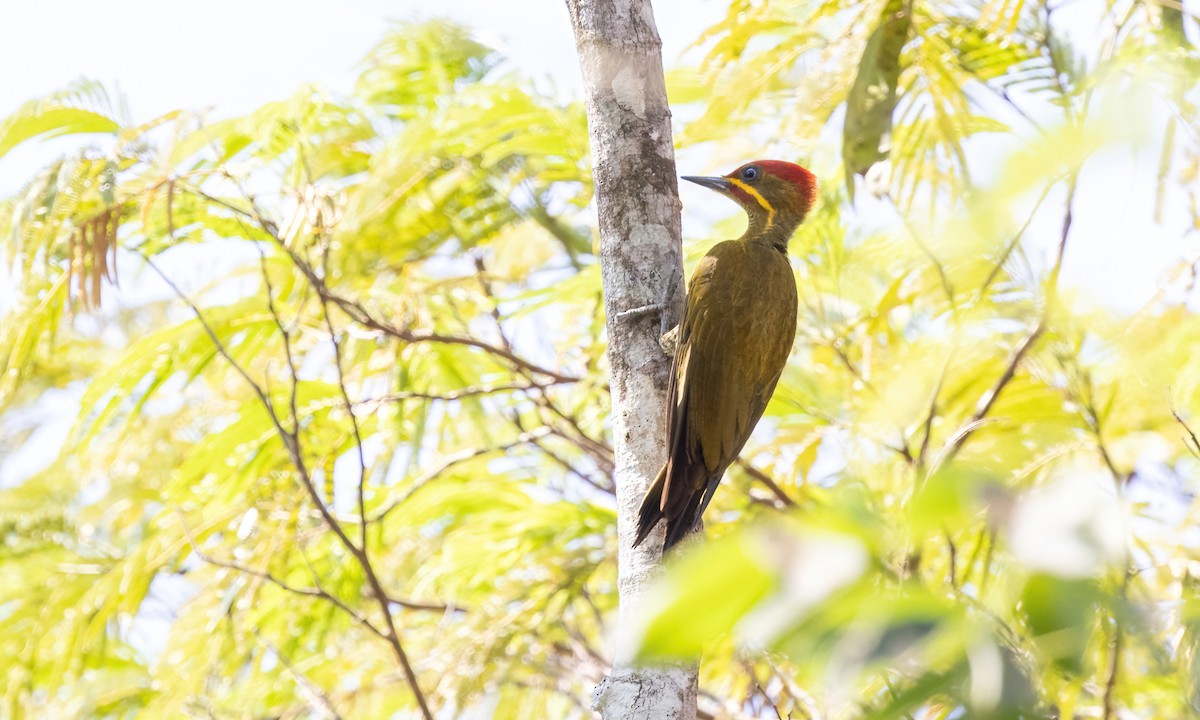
720	184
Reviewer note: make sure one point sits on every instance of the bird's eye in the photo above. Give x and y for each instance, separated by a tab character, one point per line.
750	174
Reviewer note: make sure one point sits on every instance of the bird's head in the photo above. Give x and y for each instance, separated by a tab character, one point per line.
776	196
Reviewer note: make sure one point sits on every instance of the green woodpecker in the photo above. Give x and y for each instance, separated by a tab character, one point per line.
733	342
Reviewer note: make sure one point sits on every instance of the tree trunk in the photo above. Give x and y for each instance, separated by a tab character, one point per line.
637	198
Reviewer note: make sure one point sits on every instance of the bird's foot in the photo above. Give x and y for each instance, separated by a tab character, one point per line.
669	337
669	341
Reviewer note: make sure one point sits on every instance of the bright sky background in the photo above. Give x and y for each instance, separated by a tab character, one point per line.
161	53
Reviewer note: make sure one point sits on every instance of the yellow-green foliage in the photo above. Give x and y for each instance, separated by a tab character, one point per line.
406	274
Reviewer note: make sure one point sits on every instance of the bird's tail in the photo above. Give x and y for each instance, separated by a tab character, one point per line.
682	509
651	511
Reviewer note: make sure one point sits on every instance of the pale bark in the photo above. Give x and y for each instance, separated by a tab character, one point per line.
637	197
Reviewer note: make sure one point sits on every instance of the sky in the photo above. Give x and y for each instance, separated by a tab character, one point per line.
164	54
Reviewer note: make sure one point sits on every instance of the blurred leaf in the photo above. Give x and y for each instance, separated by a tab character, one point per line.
81	108
872	100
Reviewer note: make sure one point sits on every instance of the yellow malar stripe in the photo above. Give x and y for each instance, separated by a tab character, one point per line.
762	201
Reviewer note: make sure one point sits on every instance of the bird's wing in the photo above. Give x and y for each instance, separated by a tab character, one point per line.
680	448
733	344
707	411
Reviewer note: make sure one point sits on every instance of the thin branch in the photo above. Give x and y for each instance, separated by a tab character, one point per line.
984	406
989	398
1114	666
1191	438
220	346
1091	417
976	547
952	551
291	442
361	315
316	592
358	440
749	668
290	437
453	395
1114	663
807	703
937	263
284	333
600	452
454	459
1016	240
425	606
905	450
486	284
1068	217
767	481
834	422
927	426
393	600
605	487
317	698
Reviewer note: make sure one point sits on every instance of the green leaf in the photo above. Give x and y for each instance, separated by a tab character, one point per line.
872	99
82	108
686	615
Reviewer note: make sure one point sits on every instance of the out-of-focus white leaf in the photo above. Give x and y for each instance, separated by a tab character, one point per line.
812	566
1073	527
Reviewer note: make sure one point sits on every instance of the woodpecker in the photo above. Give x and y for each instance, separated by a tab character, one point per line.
732	345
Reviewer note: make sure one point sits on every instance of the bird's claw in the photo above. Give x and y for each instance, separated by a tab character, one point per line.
669	338
669	341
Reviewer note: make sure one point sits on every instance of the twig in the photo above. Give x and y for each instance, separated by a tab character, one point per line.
291	441
486	284
450	461
927	427
599	451
989	398
1091	417
361	315
984	406
767	481
904	449
805	701
605	487
952	550
749	668
1016	240
453	395
290	437
318	699
316	592
349	408
425	606
1114	664
284	333
937	263
1194	447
